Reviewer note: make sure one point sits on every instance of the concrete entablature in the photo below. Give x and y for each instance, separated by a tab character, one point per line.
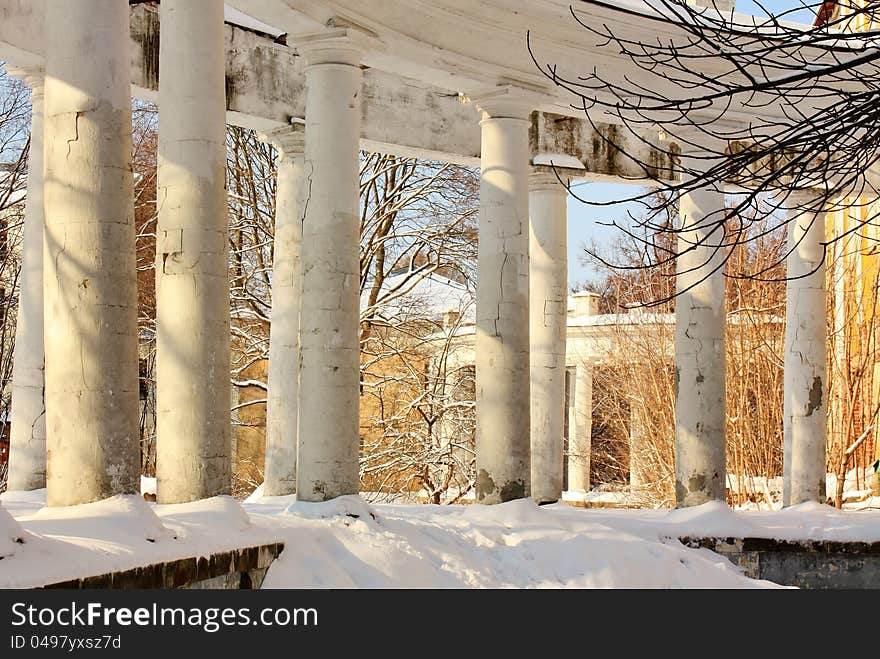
265	88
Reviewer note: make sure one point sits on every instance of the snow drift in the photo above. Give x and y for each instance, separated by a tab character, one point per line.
11	534
348	543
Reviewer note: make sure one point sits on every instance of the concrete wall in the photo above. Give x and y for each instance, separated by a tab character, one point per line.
243	568
803	563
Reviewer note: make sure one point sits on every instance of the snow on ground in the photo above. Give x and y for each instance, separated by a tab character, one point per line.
806	521
858	484
350	543
346	543
10	534
148	485
869	503
117	534
596	497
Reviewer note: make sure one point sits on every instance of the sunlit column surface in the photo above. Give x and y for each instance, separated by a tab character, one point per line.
283	396
89	282
502	341
327	465
700	409
548	285
193	429
581	430
27	441
805	383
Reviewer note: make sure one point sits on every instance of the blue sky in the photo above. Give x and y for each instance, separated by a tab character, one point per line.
584	221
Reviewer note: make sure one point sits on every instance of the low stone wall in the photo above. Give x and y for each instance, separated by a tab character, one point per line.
243	568
802	563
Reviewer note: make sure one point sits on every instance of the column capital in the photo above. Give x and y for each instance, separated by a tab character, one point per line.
344	45
543	180
289	140
507	101
32	76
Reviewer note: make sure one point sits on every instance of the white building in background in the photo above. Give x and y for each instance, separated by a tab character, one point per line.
592	339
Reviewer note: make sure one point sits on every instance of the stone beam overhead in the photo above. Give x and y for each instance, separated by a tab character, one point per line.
21	32
462	44
265	87
600	152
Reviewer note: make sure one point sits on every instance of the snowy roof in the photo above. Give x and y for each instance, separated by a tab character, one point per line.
18	195
622	319
408	295
557	160
234	16
645	318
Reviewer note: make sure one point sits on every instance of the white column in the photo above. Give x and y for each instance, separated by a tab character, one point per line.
502	342
283	405
805	382
548	299
581	430
571	377
89	283
27	442
639	447
193	425
700	403
327	465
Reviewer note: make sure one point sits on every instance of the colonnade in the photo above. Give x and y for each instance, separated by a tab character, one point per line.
84	210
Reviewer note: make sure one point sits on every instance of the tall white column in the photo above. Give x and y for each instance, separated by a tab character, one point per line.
805	382
502	342
89	282
327	465
193	428
283	406
27	442
700	314
581	430
548	299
